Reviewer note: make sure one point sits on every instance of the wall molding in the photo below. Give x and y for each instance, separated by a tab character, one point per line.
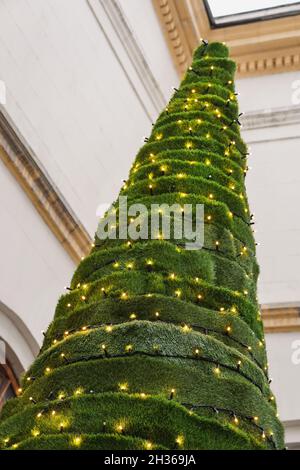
21	161
271	118
129	54
259	48
281	318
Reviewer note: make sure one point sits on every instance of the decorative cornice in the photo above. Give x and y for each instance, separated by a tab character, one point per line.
259	48
281	319
24	165
271	118
174	33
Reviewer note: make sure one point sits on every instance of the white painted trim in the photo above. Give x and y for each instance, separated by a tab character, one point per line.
271	118
14	332
129	54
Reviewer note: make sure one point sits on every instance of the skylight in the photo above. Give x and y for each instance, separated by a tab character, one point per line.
230	12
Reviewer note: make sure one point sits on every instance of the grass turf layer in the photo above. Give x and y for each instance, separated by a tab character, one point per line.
151	419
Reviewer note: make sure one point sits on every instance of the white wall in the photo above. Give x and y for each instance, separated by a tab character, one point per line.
273	186
34	266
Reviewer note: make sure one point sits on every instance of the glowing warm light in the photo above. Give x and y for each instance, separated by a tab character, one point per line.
120	428
35	432
77	441
123	387
186	328
180	440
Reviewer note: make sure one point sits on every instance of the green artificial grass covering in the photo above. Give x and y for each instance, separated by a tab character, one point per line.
155	346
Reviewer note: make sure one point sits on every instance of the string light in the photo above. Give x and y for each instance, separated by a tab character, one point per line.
77	441
235	420
120	428
123	387
186	328
179	440
128	348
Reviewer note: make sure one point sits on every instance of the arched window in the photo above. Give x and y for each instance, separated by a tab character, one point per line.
8	383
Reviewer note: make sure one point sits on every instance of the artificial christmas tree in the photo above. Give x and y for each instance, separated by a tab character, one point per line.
155	346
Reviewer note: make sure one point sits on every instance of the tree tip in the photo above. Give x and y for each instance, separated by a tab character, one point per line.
213	49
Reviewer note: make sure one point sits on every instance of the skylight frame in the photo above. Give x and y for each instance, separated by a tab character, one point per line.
246	17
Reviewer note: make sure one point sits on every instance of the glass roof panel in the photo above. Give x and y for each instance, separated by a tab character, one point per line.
231	7
229	12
